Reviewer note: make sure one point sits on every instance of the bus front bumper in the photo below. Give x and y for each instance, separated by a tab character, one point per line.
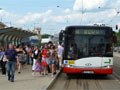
70	70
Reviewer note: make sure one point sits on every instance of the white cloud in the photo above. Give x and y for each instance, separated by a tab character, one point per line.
88	17
115	4
118	2
7	15
29	17
8	18
69	16
34	16
48	12
88	4
100	17
67	10
44	20
57	18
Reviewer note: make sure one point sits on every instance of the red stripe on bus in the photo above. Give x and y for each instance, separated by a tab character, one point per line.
96	71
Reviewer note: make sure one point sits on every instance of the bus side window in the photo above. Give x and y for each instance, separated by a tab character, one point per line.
108	48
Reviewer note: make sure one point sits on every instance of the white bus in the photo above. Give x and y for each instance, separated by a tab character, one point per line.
88	49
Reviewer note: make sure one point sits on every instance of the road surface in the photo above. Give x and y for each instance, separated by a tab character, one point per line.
90	82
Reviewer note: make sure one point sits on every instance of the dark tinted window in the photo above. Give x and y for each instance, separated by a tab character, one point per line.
79	46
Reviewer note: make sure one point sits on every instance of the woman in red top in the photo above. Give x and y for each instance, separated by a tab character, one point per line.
45	55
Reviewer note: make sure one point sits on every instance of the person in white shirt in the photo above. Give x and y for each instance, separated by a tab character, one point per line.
60	55
35	57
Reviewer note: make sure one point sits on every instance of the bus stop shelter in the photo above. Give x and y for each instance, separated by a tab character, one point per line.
13	35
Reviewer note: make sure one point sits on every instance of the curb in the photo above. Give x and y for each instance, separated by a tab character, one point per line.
50	84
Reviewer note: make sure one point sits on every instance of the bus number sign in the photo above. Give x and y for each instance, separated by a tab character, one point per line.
89	32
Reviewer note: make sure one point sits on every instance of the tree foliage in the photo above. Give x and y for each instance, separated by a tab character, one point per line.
39	43
118	38
46	35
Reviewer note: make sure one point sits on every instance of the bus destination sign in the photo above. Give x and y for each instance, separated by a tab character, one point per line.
89	32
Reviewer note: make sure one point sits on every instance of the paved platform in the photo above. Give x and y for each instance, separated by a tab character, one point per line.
116	54
25	81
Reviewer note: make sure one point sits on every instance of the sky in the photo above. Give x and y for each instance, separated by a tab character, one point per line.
54	15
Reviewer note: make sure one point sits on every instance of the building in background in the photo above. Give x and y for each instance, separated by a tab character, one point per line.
33	40
55	39
38	32
46	40
2	25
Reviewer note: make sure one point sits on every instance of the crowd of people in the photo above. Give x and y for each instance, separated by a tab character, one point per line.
45	59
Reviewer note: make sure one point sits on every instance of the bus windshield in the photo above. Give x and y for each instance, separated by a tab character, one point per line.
79	46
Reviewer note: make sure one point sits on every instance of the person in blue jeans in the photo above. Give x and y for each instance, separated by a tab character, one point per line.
10	57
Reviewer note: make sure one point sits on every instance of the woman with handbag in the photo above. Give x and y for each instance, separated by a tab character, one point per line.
52	59
21	60
35	57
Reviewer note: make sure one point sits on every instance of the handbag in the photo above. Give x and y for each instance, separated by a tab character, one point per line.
4	59
22	58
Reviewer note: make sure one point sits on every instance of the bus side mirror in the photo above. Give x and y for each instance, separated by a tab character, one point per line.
61	35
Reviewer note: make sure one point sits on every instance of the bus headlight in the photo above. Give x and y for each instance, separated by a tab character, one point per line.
109	66
67	65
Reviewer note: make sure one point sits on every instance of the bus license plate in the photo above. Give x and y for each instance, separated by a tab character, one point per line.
88	72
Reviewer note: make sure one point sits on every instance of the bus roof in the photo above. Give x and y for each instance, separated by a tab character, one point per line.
100	27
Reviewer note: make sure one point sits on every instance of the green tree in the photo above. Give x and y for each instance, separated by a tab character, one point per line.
118	38
46	35
39	43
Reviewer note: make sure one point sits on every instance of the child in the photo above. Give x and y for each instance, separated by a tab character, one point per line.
38	66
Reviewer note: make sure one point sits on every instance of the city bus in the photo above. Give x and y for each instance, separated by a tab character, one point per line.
88	49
